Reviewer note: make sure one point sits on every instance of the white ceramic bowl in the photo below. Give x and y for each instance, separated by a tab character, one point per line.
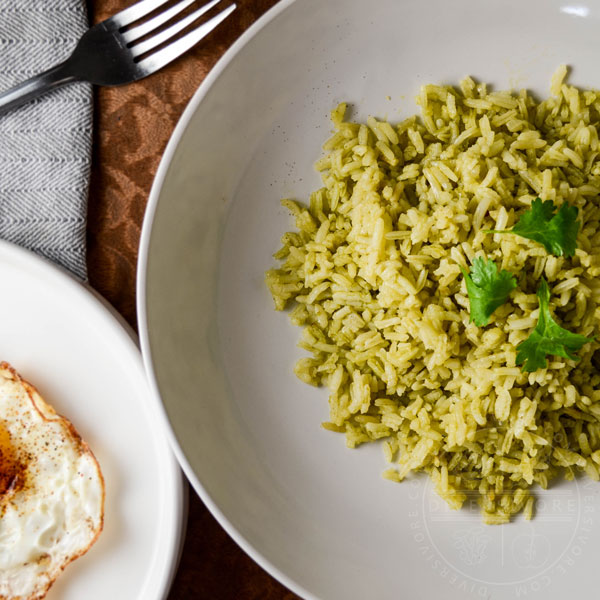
316	515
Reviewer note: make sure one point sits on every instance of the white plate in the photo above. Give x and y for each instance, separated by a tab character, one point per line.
316	515
84	361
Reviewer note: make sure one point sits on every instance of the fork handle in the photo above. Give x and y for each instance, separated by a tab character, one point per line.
31	88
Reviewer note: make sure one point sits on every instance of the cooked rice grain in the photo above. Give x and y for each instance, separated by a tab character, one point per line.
373	271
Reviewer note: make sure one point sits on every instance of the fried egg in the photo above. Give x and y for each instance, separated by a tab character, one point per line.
51	491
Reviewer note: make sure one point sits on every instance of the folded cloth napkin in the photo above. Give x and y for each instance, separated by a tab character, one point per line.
45	146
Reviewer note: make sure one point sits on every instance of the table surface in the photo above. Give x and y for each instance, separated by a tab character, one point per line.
132	127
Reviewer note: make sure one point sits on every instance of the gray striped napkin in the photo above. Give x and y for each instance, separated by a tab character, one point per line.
45	147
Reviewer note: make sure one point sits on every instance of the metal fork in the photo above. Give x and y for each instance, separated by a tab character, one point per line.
109	53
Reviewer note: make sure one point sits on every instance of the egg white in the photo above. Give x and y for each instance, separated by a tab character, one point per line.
51	491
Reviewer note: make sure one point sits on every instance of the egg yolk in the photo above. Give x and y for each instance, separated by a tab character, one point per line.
11	468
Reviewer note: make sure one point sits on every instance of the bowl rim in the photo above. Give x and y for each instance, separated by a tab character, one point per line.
141	302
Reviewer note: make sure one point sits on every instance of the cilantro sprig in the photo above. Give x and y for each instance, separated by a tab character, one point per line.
487	289
548	338
556	232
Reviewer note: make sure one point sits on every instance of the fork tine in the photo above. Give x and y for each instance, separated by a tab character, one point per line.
135	12
163	57
168	33
141	30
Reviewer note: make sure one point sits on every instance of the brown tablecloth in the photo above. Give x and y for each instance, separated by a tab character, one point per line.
132	127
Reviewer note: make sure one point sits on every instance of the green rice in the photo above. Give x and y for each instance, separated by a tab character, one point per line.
373	276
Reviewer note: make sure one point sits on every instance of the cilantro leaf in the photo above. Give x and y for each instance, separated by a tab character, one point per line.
556	232
548	337
487	289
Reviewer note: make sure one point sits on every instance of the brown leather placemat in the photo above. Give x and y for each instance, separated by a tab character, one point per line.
132	127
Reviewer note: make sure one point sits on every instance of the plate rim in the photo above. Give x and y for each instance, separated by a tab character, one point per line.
141	280
59	277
